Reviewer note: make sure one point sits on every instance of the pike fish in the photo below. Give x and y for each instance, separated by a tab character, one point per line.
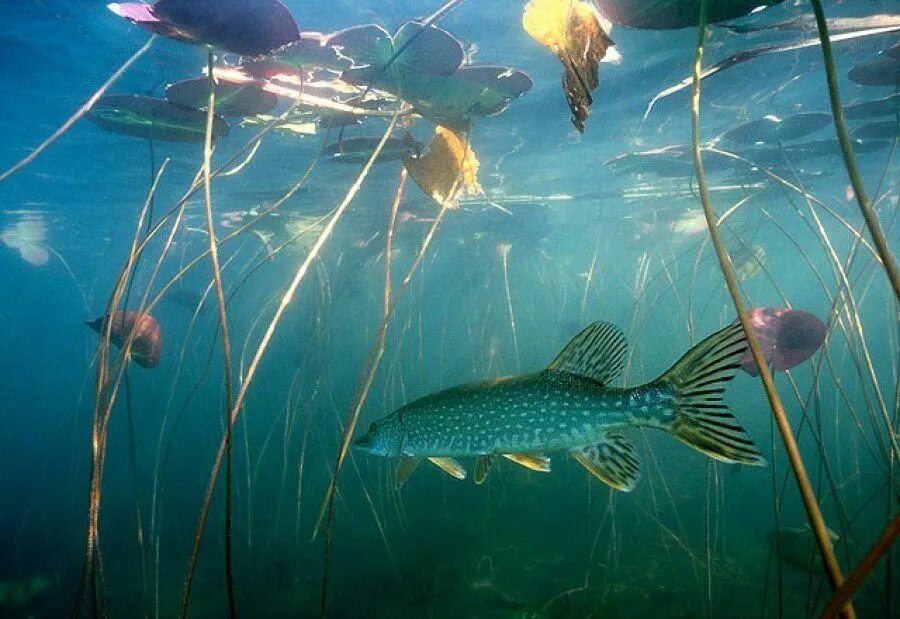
571	407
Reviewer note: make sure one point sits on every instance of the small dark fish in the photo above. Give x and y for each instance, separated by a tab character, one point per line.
876	107
570	406
885	72
881	130
773	130
787	337
147	343
187	299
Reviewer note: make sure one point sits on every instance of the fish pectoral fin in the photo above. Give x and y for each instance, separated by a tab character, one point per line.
405	467
613	461
450	467
598	353
535	462
482	468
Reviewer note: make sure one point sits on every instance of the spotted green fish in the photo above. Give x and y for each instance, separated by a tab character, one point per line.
570	406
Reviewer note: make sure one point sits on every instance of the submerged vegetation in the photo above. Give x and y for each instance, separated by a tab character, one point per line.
468	234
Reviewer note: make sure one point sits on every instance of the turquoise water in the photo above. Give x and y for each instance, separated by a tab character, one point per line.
561	235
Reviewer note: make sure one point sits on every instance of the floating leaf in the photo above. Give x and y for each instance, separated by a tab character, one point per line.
289	126
419	50
787	337
157	119
876	107
313	49
880	73
231	99
448	169
27	237
773	130
359	150
882	130
473	91
147	343
572	29
667	14
246	27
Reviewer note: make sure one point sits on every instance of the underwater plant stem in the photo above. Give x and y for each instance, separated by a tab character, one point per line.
881	546
813	512
223	321
84	109
263	346
389	242
868	213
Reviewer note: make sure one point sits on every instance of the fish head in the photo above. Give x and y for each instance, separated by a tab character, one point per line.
382	439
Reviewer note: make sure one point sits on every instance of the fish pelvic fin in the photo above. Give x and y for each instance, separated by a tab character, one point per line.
405	468
598	353
534	462
702	420
450	466
613	461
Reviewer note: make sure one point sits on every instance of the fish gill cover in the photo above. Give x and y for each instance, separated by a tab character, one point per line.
439	284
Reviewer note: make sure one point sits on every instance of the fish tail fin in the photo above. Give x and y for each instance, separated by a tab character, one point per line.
701	419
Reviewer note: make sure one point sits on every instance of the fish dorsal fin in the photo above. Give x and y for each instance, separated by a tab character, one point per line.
405	467
598	353
482	468
535	462
613	461
450	467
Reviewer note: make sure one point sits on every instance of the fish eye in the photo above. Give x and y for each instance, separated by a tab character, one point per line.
372	428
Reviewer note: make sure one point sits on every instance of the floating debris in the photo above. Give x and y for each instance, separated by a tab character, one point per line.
575	32
774	130
245	27
147	342
231	99
156	119
447	170
27	237
787	337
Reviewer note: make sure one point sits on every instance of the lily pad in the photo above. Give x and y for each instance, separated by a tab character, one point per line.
473	91
359	150
313	49
574	31
419	50
27	237
885	106
157	119
882	130
231	99
668	14
772	130
147	343
787	337
447	170
246	27
880	73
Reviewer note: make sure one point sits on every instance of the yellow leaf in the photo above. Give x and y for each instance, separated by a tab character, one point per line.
448	169
574	31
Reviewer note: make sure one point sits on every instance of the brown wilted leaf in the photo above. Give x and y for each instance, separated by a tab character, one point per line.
449	168
573	30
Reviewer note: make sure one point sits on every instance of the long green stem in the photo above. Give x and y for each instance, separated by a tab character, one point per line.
868	213
223	321
806	492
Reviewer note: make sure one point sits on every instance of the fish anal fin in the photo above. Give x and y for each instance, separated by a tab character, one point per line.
405	467
450	467
613	461
598	353
535	462
482	468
